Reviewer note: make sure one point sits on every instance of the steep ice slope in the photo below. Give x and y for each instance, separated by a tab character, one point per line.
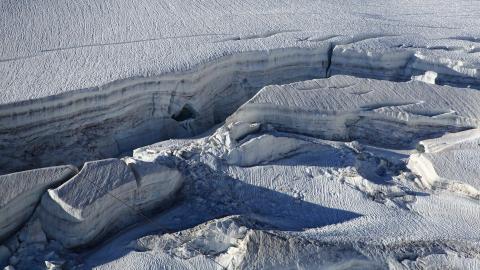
126	68
378	112
109	120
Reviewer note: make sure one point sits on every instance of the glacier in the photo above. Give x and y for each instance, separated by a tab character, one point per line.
239	135
104	98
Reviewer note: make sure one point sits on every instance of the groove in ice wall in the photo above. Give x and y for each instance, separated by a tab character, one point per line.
108	120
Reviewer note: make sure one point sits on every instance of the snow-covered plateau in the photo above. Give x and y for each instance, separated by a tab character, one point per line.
192	134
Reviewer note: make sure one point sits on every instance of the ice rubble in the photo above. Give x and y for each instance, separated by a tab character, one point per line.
378	112
287	188
450	162
300	207
232	243
21	192
104	197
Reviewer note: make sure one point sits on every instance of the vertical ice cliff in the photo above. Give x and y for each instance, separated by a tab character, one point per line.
401	57
108	120
377	112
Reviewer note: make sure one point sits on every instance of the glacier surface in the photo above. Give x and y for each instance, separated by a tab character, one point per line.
239	134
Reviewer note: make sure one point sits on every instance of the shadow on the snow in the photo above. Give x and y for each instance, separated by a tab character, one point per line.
215	195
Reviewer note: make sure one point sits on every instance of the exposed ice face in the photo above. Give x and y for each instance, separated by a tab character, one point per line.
113	87
291	200
107	121
376	112
104	197
259	150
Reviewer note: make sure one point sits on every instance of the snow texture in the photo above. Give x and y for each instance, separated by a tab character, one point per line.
377	112
103	198
321	203
21	192
97	80
265	134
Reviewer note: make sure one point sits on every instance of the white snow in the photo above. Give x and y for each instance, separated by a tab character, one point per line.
265	134
103	79
451	161
82	44
21	192
104	197
259	150
338	205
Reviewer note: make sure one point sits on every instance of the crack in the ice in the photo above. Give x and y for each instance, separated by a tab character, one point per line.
258	36
322	39
329	59
129	42
467	38
18	58
376	106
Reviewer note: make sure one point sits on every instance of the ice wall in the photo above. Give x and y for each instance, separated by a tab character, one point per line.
109	120
372	111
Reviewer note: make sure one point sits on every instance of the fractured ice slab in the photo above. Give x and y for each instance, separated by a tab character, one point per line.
20	193
451	162
104	197
259	150
395	114
399	57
